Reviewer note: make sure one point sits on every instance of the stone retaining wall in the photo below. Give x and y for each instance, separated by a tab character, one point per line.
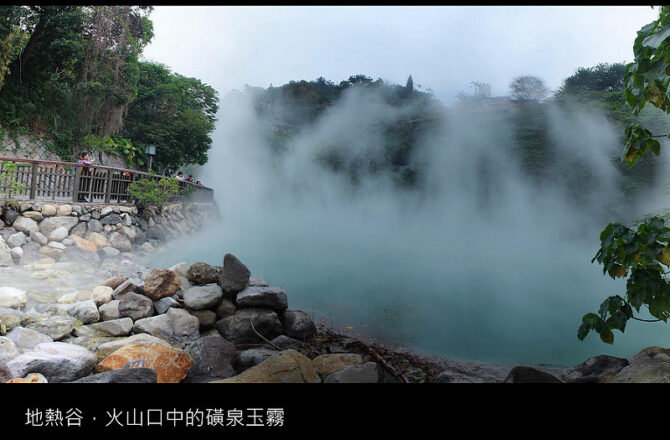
33	230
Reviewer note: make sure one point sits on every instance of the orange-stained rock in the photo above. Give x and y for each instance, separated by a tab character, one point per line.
83	243
171	365
161	283
31	378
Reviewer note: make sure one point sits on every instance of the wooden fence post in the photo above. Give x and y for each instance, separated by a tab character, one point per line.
108	191
75	190
33	180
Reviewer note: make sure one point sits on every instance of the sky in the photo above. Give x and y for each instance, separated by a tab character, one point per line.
444	48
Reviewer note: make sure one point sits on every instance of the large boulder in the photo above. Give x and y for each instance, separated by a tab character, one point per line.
595	369
171	364
26	339
120	242
57	361
213	358
238	328
234	276
161	283
48	225
286	367
271	297
25	224
135	306
326	364
297	324
55	326
523	374
203	273
651	365
202	297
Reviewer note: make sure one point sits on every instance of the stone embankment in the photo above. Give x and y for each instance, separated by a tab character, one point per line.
31	230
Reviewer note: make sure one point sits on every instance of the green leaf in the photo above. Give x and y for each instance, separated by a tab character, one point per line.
655	40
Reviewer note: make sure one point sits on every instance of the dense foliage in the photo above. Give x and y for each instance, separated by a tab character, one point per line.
72	74
639	254
153	192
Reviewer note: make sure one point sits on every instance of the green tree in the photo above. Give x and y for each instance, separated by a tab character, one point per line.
639	254
173	112
528	88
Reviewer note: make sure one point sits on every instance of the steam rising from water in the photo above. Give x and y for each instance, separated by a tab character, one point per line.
481	264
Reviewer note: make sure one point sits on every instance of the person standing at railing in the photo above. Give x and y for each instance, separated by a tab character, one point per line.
85	177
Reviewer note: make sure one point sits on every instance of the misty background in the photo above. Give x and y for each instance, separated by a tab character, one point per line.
468	249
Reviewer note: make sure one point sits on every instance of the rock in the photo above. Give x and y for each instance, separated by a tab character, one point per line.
58	234
122	375
83	244
109	252
85	311
455	377
120	242
11	318
107	348
129	233
114	327
297	324
176	325
98	240
57	361
170	364
9	216
257	282
64	210
5	374
94	225
366	373
271	297
135	306
39	237
102	295
286	367
56	245
202	297
56	326
34	215
16	253
650	365
31	378
253	356
115	282
106	211
595	369
18	239
225	308
161	283
110	310
326	364
24	224
234	276
238	330
12	297
5	254
8	350
48	210
416	375
181	269
126	286
76	253
26	339
206	318
111	219
213	358
49	224
284	342
162	305
203	273
522	374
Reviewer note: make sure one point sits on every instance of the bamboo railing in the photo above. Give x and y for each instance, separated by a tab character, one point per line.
72	182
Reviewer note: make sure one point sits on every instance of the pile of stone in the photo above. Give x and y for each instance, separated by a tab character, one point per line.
198	323
68	231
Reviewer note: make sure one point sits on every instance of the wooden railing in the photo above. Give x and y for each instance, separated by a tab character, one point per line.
72	182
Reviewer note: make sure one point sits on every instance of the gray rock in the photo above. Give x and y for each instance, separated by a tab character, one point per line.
110	310
17	239
257	282
284	342
120	242
297	324
238	329
175	325
49	224
162	305
25	224
253	356
94	225
58	234
5	374
8	350
213	358
55	326
225	308
122	375
9	216
108	252
11	318
523	374
12	297
114	327
123	288
79	230
651	365
6	258
39	237
234	276
135	306
202	297
455	377
207	319
595	369
111	219
85	311
270	297
26	339
57	361
366	373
